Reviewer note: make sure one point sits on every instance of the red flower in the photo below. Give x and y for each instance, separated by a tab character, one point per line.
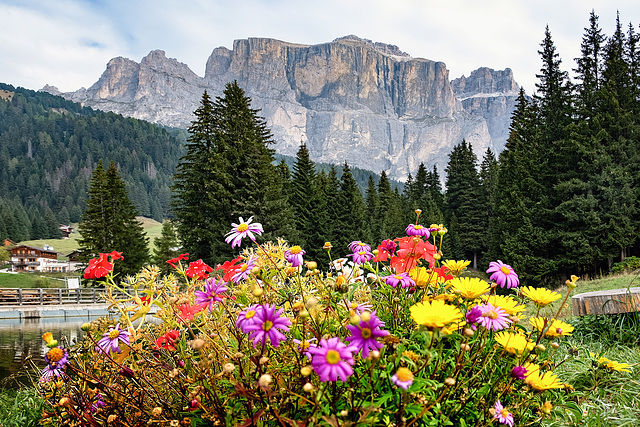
98	267
444	273
198	269
230	268
167	340
115	255
187	311
173	261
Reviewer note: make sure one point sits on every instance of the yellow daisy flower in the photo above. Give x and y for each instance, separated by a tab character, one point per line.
556	329
469	287
514	343
617	366
507	303
435	314
543	381
455	267
540	296
423	277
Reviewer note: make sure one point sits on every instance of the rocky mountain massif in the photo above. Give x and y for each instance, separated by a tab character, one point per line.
352	100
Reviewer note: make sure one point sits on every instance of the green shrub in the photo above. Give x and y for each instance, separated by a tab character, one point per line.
630	264
20	408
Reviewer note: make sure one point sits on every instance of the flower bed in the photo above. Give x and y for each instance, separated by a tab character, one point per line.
391	336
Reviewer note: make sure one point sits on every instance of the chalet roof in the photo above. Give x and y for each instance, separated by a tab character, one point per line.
49	251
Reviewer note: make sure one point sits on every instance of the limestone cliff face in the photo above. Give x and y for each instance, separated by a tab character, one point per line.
351	99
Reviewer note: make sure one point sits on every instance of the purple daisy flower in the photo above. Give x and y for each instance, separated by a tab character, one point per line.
519	372
417	230
267	325
503	274
493	318
502	415
357	308
48	373
242	230
294	255
402	279
473	315
247	317
304	346
110	340
332	360
364	335
389	245
244	270
358	246
361	256
211	293
403	378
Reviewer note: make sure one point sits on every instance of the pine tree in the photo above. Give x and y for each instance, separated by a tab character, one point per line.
109	223
167	247
227	173
303	199
373	223
350	220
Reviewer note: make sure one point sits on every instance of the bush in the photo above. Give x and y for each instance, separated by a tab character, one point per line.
394	336
20	408
629	264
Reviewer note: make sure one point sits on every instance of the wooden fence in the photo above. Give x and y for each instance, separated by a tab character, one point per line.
51	296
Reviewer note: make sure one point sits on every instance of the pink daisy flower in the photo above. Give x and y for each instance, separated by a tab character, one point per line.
503	274
502	415
493	318
402	279
294	256
332	360
364	335
110	340
246	318
417	230
212	292
244	269
268	325
242	230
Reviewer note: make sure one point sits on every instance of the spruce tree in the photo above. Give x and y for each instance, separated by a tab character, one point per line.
350	221
109	223
167	247
303	198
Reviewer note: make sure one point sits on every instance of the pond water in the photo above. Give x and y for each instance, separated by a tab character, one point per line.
21	342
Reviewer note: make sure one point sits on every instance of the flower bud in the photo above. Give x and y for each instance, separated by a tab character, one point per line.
450	381
228	368
257	292
255	270
344	413
555	345
306	371
355	319
64	402
112	418
311	302
155	412
540	348
263	360
86	327
198	344
365	316
52	343
465	347
265	380
308	387
327	246
437	256
468	332
312	265
375	354
547	407
304	314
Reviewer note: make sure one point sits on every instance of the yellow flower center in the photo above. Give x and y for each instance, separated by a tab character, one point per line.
491	314
55	354
244	267
505	270
267	325
243	227
114	334
250	314
418	227
366	333
295	250
399	277
404	375
333	357
304	345
362	253
504	413
353	306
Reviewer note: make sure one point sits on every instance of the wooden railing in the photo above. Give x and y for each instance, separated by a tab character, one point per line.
51	296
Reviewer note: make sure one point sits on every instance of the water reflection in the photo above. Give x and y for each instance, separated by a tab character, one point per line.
21	341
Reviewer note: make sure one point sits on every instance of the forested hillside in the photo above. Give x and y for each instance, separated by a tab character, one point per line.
49	148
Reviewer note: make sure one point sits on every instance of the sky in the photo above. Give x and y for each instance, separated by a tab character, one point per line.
67	43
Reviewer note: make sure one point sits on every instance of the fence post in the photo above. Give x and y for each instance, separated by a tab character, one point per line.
40	296
60	296
19	296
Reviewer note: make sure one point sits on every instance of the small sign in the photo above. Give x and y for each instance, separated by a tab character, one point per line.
73	283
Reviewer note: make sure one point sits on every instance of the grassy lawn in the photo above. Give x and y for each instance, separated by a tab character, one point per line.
65	246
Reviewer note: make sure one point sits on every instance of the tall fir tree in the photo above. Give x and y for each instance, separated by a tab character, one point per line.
227	173
109	223
350	220
303	199
167	247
